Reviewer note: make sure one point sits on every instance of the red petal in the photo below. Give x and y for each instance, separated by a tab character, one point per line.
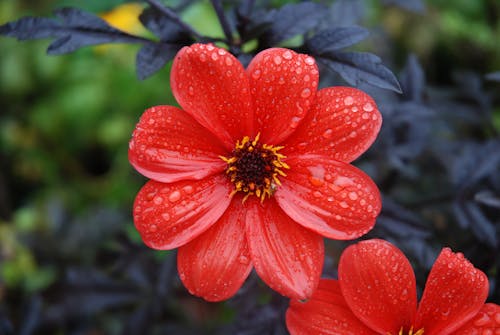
325	313
342	124
211	85
288	257
332	198
283	85
169	145
378	284
170	215
454	293
215	264
486	322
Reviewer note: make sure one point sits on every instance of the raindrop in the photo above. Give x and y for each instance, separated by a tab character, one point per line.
287	54
221	52
256	74
174	196
277	60
305	93
343	204
327	133
190	90
353	195
188	189
307	77
368	107
203	57
348	101
215	56
309	60
294	122
153	228
158	200
165	216
365	116
229	61
210	47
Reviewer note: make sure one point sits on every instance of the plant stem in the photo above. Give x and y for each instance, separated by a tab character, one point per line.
223	21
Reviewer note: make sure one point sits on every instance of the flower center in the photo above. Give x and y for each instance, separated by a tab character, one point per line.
254	168
411	332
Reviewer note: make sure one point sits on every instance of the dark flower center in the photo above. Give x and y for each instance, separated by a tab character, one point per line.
254	168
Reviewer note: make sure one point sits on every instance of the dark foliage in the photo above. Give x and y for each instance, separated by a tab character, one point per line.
269	26
436	162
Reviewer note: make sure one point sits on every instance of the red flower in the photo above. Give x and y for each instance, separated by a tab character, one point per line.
253	172
376	294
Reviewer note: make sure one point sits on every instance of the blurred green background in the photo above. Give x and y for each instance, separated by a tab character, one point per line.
66	186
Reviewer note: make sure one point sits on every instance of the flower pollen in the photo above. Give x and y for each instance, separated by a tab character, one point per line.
411	332
254	168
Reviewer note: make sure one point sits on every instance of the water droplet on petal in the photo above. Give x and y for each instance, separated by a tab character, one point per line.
317	194
305	93
277	60
191	90
165	216
368	107
229	61
153	228
221	52
158	200
174	196
353	195
287	54
327	133
203	57
294	122
210	47
256	74
215	56
343	204
348	101
309	60
188	189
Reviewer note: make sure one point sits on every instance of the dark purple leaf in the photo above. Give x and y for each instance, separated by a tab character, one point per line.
488	198
153	56
494	76
292	20
77	29
335	39
358	67
469	214
412	79
166	29
347	12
